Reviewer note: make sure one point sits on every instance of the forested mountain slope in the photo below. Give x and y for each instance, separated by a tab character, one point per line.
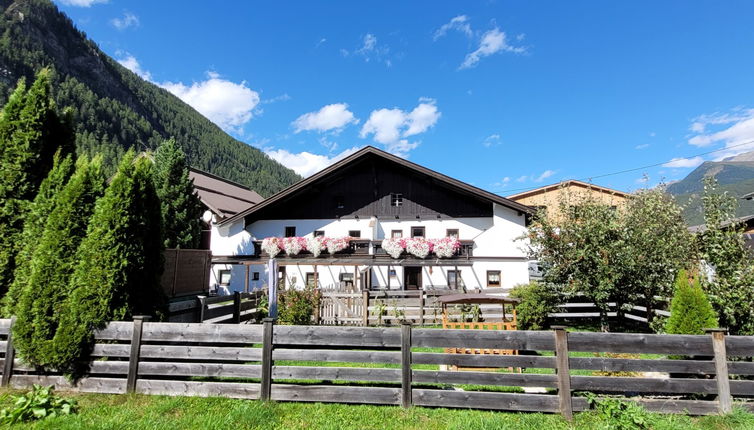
113	108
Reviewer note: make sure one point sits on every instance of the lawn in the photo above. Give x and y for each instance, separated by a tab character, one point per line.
123	412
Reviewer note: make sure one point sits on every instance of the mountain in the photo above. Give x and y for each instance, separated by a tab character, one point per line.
113	108
734	175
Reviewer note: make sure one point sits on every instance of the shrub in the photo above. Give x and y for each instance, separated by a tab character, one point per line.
537	300
54	259
621	415
119	264
690	309
297	306
37	404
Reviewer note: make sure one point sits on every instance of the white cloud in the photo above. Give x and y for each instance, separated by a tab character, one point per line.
459	23
371	50
81	3
306	163
734	129
502	183
228	104
131	63
546	174
281	98
492	42
128	20
642	146
491	140
330	117
684	163
390	127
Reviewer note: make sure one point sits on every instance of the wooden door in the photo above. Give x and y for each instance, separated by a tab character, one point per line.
412	278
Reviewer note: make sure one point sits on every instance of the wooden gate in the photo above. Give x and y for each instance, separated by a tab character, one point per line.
337	308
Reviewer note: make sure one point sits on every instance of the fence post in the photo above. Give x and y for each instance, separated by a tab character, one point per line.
365	301
10	355
724	400
266	384
133	358
421	307
563	372
202	307
406	391
236	307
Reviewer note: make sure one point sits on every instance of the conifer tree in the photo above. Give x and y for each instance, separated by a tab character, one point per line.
34	227
119	263
181	208
30	133
690	310
53	262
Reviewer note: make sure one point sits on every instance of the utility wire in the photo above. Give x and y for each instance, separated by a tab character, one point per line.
590	178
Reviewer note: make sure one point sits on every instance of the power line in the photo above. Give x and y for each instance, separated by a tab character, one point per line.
590	178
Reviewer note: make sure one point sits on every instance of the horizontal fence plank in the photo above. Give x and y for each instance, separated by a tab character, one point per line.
336	373
494	339
218	370
740	368
643	385
485	378
483	360
4	326
642	365
494	401
202	333
176	352
677	406
640	343
183	306
215	312
739	346
233	390
336	336
344	356
84	385
116	330
336	394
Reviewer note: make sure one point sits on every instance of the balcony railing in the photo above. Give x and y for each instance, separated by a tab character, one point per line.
361	247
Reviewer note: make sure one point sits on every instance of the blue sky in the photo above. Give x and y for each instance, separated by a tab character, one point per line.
506	95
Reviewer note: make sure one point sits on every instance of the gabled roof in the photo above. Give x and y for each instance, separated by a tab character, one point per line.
223	197
370	150
568	183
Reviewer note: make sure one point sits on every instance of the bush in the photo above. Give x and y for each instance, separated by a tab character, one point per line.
297	306
620	415
537	300
37	404
690	310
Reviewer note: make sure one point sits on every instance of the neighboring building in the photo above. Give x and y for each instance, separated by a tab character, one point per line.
745	223
369	196
547	200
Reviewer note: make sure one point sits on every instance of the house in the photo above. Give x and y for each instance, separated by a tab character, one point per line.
358	202
547	200
744	223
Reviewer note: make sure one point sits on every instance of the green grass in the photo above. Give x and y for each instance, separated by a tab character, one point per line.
140	412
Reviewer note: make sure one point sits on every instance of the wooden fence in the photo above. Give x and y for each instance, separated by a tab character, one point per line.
342	364
233	309
186	272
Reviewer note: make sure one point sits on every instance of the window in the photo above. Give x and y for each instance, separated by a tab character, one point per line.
339	202
455	279
354	233
417	231
319	233
452	232
396	234
396	199
290	231
346	279
493	278
224	276
255	276
311	280
391	273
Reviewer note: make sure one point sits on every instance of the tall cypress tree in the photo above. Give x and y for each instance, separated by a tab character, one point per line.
30	133
34	227
53	262
181	208
119	263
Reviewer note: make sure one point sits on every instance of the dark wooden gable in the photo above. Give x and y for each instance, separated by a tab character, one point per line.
363	188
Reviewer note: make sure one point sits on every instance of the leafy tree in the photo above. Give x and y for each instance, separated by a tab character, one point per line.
119	263
537	301
658	245
690	310
38	310
584	251
181	208
34	227
730	283
30	133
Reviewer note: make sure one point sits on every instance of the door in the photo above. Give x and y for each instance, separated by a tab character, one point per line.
412	278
